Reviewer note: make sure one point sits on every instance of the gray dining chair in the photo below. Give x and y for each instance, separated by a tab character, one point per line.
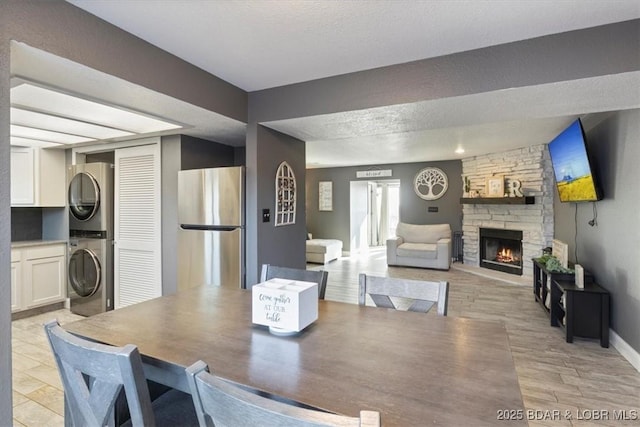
220	403
318	276
424	294
94	375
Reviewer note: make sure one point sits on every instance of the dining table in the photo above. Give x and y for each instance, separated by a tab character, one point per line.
416	369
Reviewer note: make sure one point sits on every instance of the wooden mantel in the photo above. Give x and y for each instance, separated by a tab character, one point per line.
527	200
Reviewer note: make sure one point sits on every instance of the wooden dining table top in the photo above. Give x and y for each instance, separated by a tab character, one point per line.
415	369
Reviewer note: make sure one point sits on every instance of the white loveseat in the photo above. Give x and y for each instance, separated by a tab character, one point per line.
427	246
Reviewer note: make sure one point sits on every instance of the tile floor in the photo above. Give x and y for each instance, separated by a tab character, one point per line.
38	399
577	379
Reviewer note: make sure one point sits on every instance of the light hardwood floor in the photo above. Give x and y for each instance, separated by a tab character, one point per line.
581	379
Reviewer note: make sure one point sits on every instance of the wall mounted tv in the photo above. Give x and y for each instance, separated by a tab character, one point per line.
574	177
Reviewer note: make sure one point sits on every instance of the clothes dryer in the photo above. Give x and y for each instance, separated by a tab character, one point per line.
90	274
90	197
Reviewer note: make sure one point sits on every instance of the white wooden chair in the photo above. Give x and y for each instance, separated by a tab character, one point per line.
93	376
222	404
316	276
424	294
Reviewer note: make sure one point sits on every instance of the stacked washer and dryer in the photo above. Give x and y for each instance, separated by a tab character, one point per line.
90	197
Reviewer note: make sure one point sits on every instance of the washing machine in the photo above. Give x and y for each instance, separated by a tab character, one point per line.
90	270
90	197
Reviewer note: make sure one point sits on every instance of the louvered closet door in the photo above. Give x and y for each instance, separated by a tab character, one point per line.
137	249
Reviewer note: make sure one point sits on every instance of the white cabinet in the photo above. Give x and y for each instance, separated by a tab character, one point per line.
38	276
22	176
38	177
16	280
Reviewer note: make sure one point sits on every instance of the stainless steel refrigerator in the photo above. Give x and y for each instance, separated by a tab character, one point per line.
211	235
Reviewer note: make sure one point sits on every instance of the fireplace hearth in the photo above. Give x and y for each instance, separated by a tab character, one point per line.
501	250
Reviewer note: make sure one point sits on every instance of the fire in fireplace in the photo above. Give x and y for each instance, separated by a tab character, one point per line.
501	250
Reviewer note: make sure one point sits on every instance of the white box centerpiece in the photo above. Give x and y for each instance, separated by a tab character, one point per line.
285	306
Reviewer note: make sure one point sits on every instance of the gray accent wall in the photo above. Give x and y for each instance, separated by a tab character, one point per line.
611	249
239	156
198	153
335	224
266	243
6	417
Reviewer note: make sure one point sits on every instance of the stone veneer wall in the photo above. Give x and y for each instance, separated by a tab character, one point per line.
532	167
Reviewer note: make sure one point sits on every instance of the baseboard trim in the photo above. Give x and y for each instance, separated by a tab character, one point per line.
38	310
625	349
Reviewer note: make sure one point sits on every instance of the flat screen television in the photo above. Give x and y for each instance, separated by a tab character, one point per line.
574	176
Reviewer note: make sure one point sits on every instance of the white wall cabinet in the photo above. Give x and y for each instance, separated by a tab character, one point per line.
22	176
38	276
38	177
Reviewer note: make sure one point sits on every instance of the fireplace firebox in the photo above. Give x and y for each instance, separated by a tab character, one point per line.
501	250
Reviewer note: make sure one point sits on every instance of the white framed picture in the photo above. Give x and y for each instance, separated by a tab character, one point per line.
325	196
560	250
495	186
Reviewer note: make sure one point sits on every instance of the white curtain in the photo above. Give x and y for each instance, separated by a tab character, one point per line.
383	229
373	209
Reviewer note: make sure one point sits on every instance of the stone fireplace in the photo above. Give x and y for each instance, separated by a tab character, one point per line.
532	167
501	250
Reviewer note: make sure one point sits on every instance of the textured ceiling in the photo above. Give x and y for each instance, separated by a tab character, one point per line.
258	44
483	123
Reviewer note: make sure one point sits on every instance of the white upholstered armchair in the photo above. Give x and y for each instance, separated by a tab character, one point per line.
427	246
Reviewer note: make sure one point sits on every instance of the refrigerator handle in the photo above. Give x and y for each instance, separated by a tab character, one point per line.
207	227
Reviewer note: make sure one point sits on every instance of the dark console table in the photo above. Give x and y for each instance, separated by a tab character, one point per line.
542	278
581	312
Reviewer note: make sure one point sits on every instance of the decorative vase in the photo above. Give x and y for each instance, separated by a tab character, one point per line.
466	186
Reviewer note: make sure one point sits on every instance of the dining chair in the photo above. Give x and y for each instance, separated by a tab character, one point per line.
220	403
424	294
94	375
317	276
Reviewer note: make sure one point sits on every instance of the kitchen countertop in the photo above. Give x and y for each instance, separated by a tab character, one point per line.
27	243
